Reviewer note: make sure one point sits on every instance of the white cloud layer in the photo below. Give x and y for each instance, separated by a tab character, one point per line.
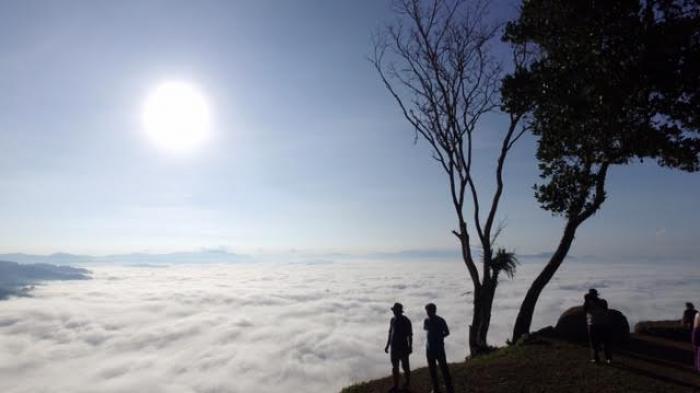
301	328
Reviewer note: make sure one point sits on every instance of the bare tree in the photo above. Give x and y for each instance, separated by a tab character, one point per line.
436	63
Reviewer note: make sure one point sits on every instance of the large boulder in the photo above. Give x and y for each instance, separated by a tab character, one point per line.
572	326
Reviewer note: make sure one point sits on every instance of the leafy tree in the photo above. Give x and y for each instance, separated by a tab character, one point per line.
608	83
437	66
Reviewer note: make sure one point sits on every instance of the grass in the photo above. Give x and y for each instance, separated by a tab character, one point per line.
550	365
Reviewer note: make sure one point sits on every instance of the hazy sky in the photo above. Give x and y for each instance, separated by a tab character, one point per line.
308	150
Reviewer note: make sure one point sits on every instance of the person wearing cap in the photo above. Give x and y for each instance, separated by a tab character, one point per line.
437	330
596	310
400	341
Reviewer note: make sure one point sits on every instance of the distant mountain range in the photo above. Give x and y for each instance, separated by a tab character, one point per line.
18	279
223	256
204	256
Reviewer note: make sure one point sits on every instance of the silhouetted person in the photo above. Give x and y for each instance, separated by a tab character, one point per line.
689	316
696	341
401	342
437	330
598	323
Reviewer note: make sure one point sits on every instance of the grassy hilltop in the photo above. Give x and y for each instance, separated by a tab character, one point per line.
551	365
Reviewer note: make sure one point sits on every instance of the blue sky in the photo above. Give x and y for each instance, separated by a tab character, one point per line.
308	152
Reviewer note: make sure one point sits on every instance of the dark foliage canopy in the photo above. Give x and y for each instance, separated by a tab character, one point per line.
608	82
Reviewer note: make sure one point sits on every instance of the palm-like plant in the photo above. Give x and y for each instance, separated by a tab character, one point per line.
504	261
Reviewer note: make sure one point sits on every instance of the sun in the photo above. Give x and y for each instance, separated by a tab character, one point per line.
176	117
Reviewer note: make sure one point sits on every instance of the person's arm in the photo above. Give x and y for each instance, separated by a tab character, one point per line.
445	330
696	323
388	338
410	336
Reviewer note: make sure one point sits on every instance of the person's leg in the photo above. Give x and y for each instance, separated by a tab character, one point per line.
598	333
433	371
395	370
406	370
593	342
608	343
444	368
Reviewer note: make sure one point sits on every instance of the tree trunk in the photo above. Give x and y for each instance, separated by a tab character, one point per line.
473	328
481	318
527	308
473	339
488	293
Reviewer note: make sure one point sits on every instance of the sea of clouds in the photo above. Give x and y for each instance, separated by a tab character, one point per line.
277	327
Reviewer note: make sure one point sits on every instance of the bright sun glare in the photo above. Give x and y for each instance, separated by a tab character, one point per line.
176	117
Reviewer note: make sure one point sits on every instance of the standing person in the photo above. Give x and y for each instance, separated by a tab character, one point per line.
689	316
696	341
401	342
596	310
437	330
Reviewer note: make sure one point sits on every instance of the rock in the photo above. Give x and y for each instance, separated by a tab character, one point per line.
572	326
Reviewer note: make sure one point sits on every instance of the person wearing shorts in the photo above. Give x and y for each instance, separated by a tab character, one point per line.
400	341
